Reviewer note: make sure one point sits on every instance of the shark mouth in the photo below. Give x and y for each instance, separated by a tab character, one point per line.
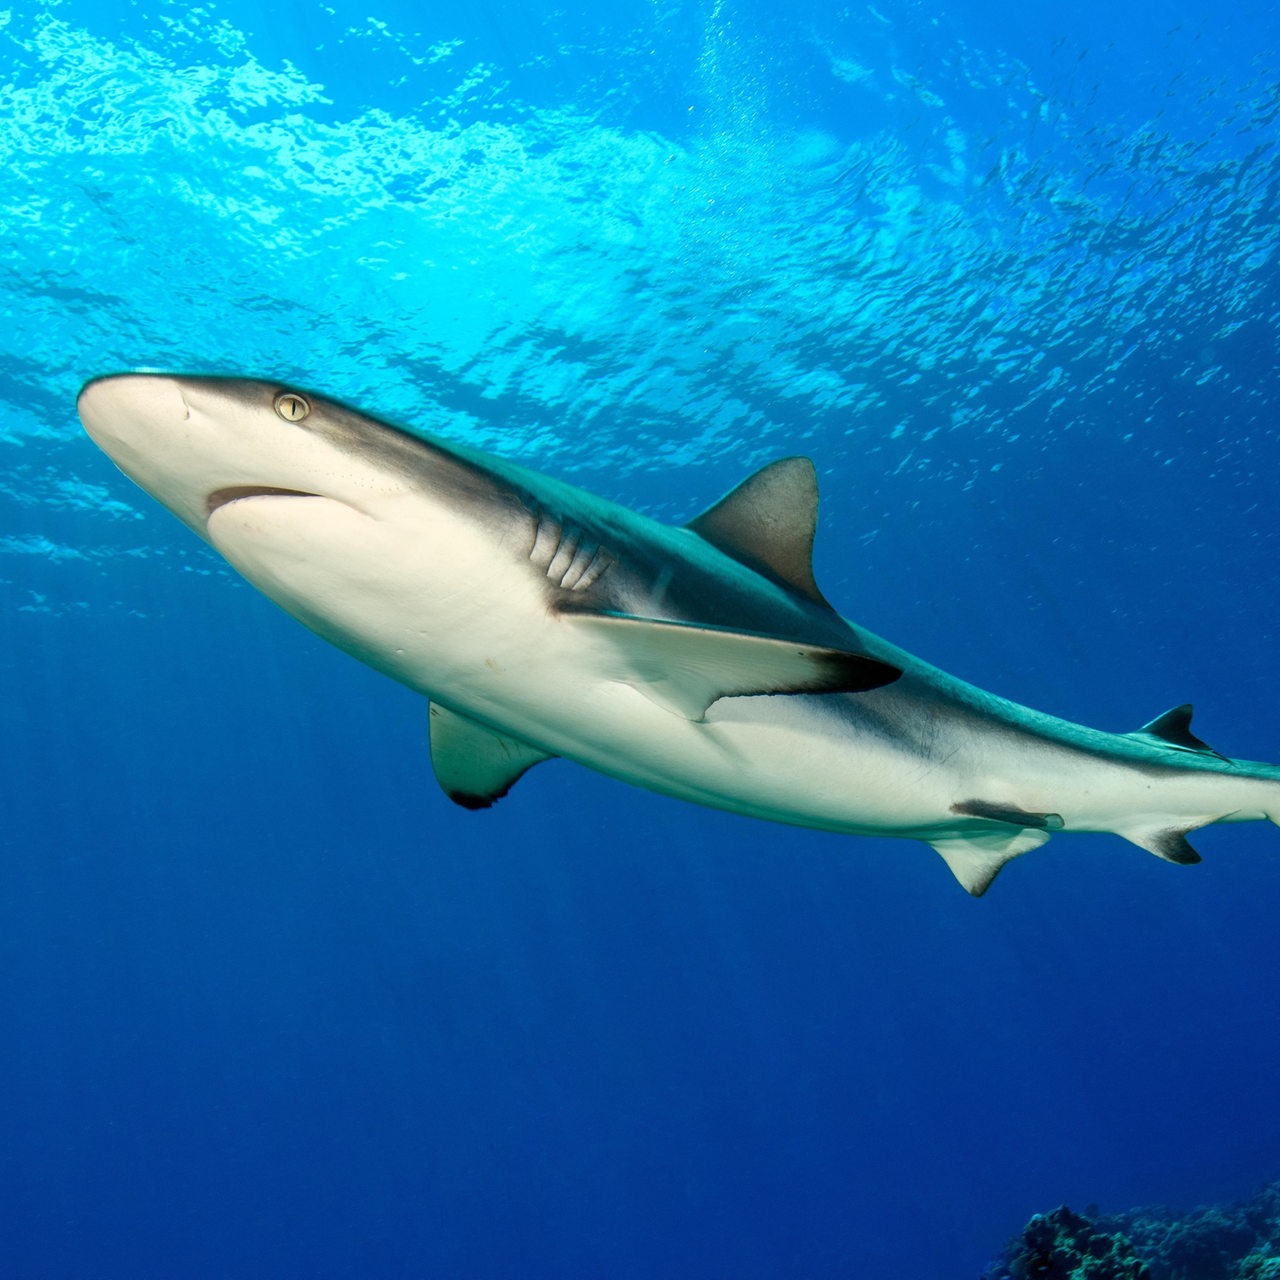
237	493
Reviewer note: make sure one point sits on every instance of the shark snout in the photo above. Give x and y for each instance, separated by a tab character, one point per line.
201	445
123	411
144	423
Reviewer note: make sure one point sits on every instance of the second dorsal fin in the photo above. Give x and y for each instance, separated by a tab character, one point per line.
1174	730
768	523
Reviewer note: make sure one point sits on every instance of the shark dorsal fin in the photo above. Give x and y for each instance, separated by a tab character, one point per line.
768	523
1174	728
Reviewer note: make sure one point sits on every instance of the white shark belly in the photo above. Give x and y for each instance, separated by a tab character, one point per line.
488	646
776	757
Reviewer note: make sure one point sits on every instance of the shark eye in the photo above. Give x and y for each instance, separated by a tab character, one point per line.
291	406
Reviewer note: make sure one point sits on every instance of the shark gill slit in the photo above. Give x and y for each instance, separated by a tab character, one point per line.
565	555
581	562
546	540
600	564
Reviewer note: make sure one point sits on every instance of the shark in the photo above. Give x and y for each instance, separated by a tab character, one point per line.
699	661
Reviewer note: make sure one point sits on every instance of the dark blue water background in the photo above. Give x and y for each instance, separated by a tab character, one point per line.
269	1004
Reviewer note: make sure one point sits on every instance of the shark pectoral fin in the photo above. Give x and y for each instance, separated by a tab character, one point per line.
685	668
476	766
975	860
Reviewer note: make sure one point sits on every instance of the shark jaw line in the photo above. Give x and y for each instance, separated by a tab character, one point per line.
242	492
278	504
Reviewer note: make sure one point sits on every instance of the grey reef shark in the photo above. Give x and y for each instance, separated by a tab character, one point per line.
701	662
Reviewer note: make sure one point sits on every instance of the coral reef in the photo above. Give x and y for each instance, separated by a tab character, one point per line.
1215	1242
1067	1246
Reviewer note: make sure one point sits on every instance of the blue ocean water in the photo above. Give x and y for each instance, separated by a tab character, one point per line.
271	1006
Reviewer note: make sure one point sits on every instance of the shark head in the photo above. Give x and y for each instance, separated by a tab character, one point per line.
336	516
204	446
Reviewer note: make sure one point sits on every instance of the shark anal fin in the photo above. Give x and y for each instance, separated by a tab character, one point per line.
1173	729
475	765
685	667
1169	843
1011	814
768	524
976	858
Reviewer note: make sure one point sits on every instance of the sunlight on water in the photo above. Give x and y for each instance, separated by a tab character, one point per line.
521	275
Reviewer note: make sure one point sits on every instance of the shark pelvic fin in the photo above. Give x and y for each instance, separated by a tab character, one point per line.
768	523
975	859
476	766
1173	729
685	668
